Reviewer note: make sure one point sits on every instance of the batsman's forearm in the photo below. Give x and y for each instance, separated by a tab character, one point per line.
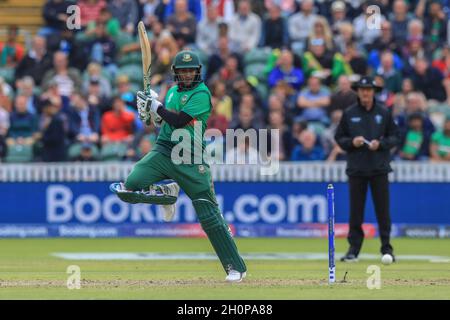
178	120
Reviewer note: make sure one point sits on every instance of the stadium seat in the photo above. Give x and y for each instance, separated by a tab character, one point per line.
133	71
113	151
130	58
256	70
263	90
19	153
257	55
317	127
7	74
75	150
123	39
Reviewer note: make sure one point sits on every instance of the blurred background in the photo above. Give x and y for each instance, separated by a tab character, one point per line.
69	126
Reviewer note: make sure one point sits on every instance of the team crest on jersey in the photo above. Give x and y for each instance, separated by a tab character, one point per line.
378	118
187	57
184	99
201	169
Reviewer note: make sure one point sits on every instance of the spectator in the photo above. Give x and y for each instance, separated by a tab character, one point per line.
287	6
440	143
225	8
26	88
244	28
399	21
415	30
194	7
117	124
415	103
11	52
94	72
4	124
124	90
224	104
318	61
5	95
321	30
344	36
331	148
182	24
338	16
55	16
386	41
245	152
245	119
415	142
23	124
442	63
84	120
435	23
429	80
247	100
152	9
307	149
351	63
400	98
86	153
75	49
275	103
344	96
126	11
105	17
412	52
285	142
67	79
229	73
217	120
90	10
392	78
52	134
286	71
274	29
300	25
95	98
165	50
218	58
314	100
208	31
52	94
103	50
36	62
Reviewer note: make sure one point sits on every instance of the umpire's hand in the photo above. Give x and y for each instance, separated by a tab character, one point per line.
358	141
374	145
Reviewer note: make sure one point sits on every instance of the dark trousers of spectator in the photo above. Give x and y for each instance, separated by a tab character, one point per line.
379	186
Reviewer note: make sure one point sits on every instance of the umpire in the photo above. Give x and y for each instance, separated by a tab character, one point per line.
367	133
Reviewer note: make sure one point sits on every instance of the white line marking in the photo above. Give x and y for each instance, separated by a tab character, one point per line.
211	256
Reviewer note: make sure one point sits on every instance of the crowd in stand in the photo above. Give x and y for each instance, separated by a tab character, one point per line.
283	64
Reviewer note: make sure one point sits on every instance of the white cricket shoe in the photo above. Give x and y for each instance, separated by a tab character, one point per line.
172	189
235	276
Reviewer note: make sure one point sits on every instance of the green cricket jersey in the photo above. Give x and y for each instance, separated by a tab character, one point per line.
197	104
443	143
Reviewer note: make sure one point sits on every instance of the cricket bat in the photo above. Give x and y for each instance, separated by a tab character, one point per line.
146	56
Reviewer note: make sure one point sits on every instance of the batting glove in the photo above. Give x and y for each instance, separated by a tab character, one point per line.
147	107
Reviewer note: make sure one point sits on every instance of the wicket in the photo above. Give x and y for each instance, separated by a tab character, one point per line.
331	264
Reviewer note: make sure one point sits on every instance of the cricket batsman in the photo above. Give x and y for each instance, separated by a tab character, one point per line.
186	103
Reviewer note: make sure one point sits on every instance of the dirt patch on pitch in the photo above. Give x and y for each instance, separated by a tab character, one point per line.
123	283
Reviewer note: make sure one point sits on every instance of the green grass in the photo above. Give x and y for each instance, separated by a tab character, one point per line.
28	271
